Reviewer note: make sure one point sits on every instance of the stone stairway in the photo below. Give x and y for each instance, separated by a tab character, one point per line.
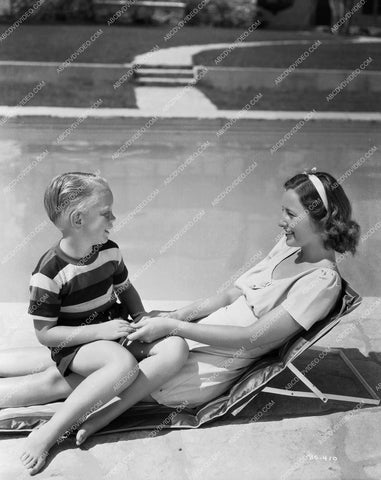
164	75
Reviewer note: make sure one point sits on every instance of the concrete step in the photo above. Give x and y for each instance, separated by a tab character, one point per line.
164	82
170	73
149	66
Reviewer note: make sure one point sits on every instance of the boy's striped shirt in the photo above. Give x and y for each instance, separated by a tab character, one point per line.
68	291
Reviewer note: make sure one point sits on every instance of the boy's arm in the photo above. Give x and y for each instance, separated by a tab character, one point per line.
52	335
131	302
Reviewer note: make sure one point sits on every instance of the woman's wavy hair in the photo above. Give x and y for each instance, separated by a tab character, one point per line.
338	230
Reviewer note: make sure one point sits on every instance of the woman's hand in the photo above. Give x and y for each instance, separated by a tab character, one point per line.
113	329
159	314
150	329
168	314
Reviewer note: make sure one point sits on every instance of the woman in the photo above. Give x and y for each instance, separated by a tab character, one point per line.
296	285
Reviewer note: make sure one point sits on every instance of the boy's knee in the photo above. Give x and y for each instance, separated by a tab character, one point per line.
116	358
113	353
126	372
126	364
178	347
125	360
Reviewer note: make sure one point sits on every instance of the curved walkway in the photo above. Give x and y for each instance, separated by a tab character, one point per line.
184	55
189	101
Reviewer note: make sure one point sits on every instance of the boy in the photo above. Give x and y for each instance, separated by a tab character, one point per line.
73	302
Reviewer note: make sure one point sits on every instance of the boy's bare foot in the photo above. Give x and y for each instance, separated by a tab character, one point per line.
35	451
97	421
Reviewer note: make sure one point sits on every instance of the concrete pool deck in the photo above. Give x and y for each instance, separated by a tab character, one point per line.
296	438
183	110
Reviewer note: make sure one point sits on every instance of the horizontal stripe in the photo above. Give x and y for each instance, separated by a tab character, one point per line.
44	310
126	282
40	280
90	305
42	296
83	317
89	279
45	319
88	293
70	271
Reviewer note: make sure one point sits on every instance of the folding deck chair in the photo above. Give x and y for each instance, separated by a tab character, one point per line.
254	381
288	353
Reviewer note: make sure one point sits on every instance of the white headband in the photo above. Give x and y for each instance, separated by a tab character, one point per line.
318	184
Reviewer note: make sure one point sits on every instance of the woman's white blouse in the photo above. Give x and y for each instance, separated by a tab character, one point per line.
307	296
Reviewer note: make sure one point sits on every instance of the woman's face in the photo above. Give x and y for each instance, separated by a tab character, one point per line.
296	222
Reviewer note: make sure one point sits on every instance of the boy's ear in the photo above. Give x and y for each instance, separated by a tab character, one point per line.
76	219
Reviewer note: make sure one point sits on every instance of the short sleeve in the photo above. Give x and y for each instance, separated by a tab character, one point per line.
45	301
120	276
313	296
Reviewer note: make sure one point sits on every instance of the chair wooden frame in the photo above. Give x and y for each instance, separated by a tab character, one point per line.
324	397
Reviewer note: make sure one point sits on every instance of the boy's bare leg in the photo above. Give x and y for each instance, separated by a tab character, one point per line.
15	362
161	360
103	363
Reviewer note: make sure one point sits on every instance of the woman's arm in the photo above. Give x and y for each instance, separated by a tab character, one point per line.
202	308
275	326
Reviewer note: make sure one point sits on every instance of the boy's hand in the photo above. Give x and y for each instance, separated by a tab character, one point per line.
114	329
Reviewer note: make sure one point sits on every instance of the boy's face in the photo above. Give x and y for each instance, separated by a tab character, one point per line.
98	219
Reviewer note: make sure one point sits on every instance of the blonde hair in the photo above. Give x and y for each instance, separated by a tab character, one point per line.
72	191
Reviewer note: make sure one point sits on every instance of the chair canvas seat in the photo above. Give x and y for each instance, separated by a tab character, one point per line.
151	416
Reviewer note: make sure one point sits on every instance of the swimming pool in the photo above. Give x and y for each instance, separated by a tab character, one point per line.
193	207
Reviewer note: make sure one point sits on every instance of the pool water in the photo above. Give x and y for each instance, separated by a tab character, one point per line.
193	208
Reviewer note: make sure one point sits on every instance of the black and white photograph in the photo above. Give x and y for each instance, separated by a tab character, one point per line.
190	254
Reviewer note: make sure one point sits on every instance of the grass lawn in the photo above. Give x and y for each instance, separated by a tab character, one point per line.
82	92
305	101
327	55
119	43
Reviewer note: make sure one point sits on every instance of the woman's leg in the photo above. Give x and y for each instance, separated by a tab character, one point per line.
32	378
15	362
104	364
37	389
161	360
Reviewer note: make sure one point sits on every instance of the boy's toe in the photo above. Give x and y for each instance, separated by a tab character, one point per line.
24	456
37	467
80	437
32	462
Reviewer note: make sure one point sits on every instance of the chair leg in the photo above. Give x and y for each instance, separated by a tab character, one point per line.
306	382
316	393
357	374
